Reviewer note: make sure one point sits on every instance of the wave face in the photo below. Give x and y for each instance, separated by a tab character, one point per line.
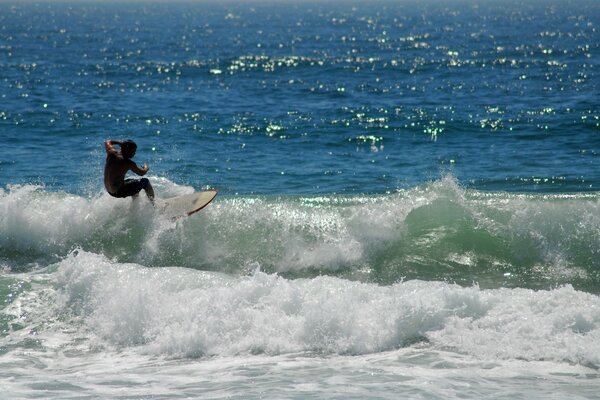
438	231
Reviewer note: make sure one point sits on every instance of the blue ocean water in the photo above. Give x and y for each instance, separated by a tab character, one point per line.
342	98
408	199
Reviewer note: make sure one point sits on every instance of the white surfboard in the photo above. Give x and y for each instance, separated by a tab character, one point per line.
186	205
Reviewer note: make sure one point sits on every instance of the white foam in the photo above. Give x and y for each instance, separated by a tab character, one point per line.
561	324
39	222
183	312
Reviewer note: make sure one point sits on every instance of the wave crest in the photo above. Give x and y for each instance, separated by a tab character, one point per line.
438	231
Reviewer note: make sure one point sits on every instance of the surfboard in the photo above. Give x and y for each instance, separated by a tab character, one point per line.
186	205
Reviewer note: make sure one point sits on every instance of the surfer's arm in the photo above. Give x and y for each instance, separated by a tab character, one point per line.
109	144
140	171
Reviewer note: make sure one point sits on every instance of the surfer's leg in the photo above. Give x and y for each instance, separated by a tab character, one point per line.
145	183
132	188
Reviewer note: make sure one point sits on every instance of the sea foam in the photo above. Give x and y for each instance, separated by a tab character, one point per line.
182	312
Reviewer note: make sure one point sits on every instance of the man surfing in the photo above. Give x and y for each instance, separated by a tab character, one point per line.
117	165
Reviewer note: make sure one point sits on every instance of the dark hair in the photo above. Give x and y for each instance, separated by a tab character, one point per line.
128	148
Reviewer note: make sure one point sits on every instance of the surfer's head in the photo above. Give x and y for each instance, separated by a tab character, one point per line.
128	148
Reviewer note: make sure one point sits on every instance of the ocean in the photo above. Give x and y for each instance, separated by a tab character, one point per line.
408	203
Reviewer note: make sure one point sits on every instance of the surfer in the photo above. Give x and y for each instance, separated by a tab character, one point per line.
117	165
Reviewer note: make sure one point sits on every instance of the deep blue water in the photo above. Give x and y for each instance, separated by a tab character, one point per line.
277	98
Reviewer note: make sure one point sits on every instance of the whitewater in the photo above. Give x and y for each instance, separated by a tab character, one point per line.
103	298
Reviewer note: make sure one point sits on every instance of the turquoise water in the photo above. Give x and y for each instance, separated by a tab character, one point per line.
408	200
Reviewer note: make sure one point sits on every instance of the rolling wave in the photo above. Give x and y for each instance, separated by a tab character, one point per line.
438	231
185	313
